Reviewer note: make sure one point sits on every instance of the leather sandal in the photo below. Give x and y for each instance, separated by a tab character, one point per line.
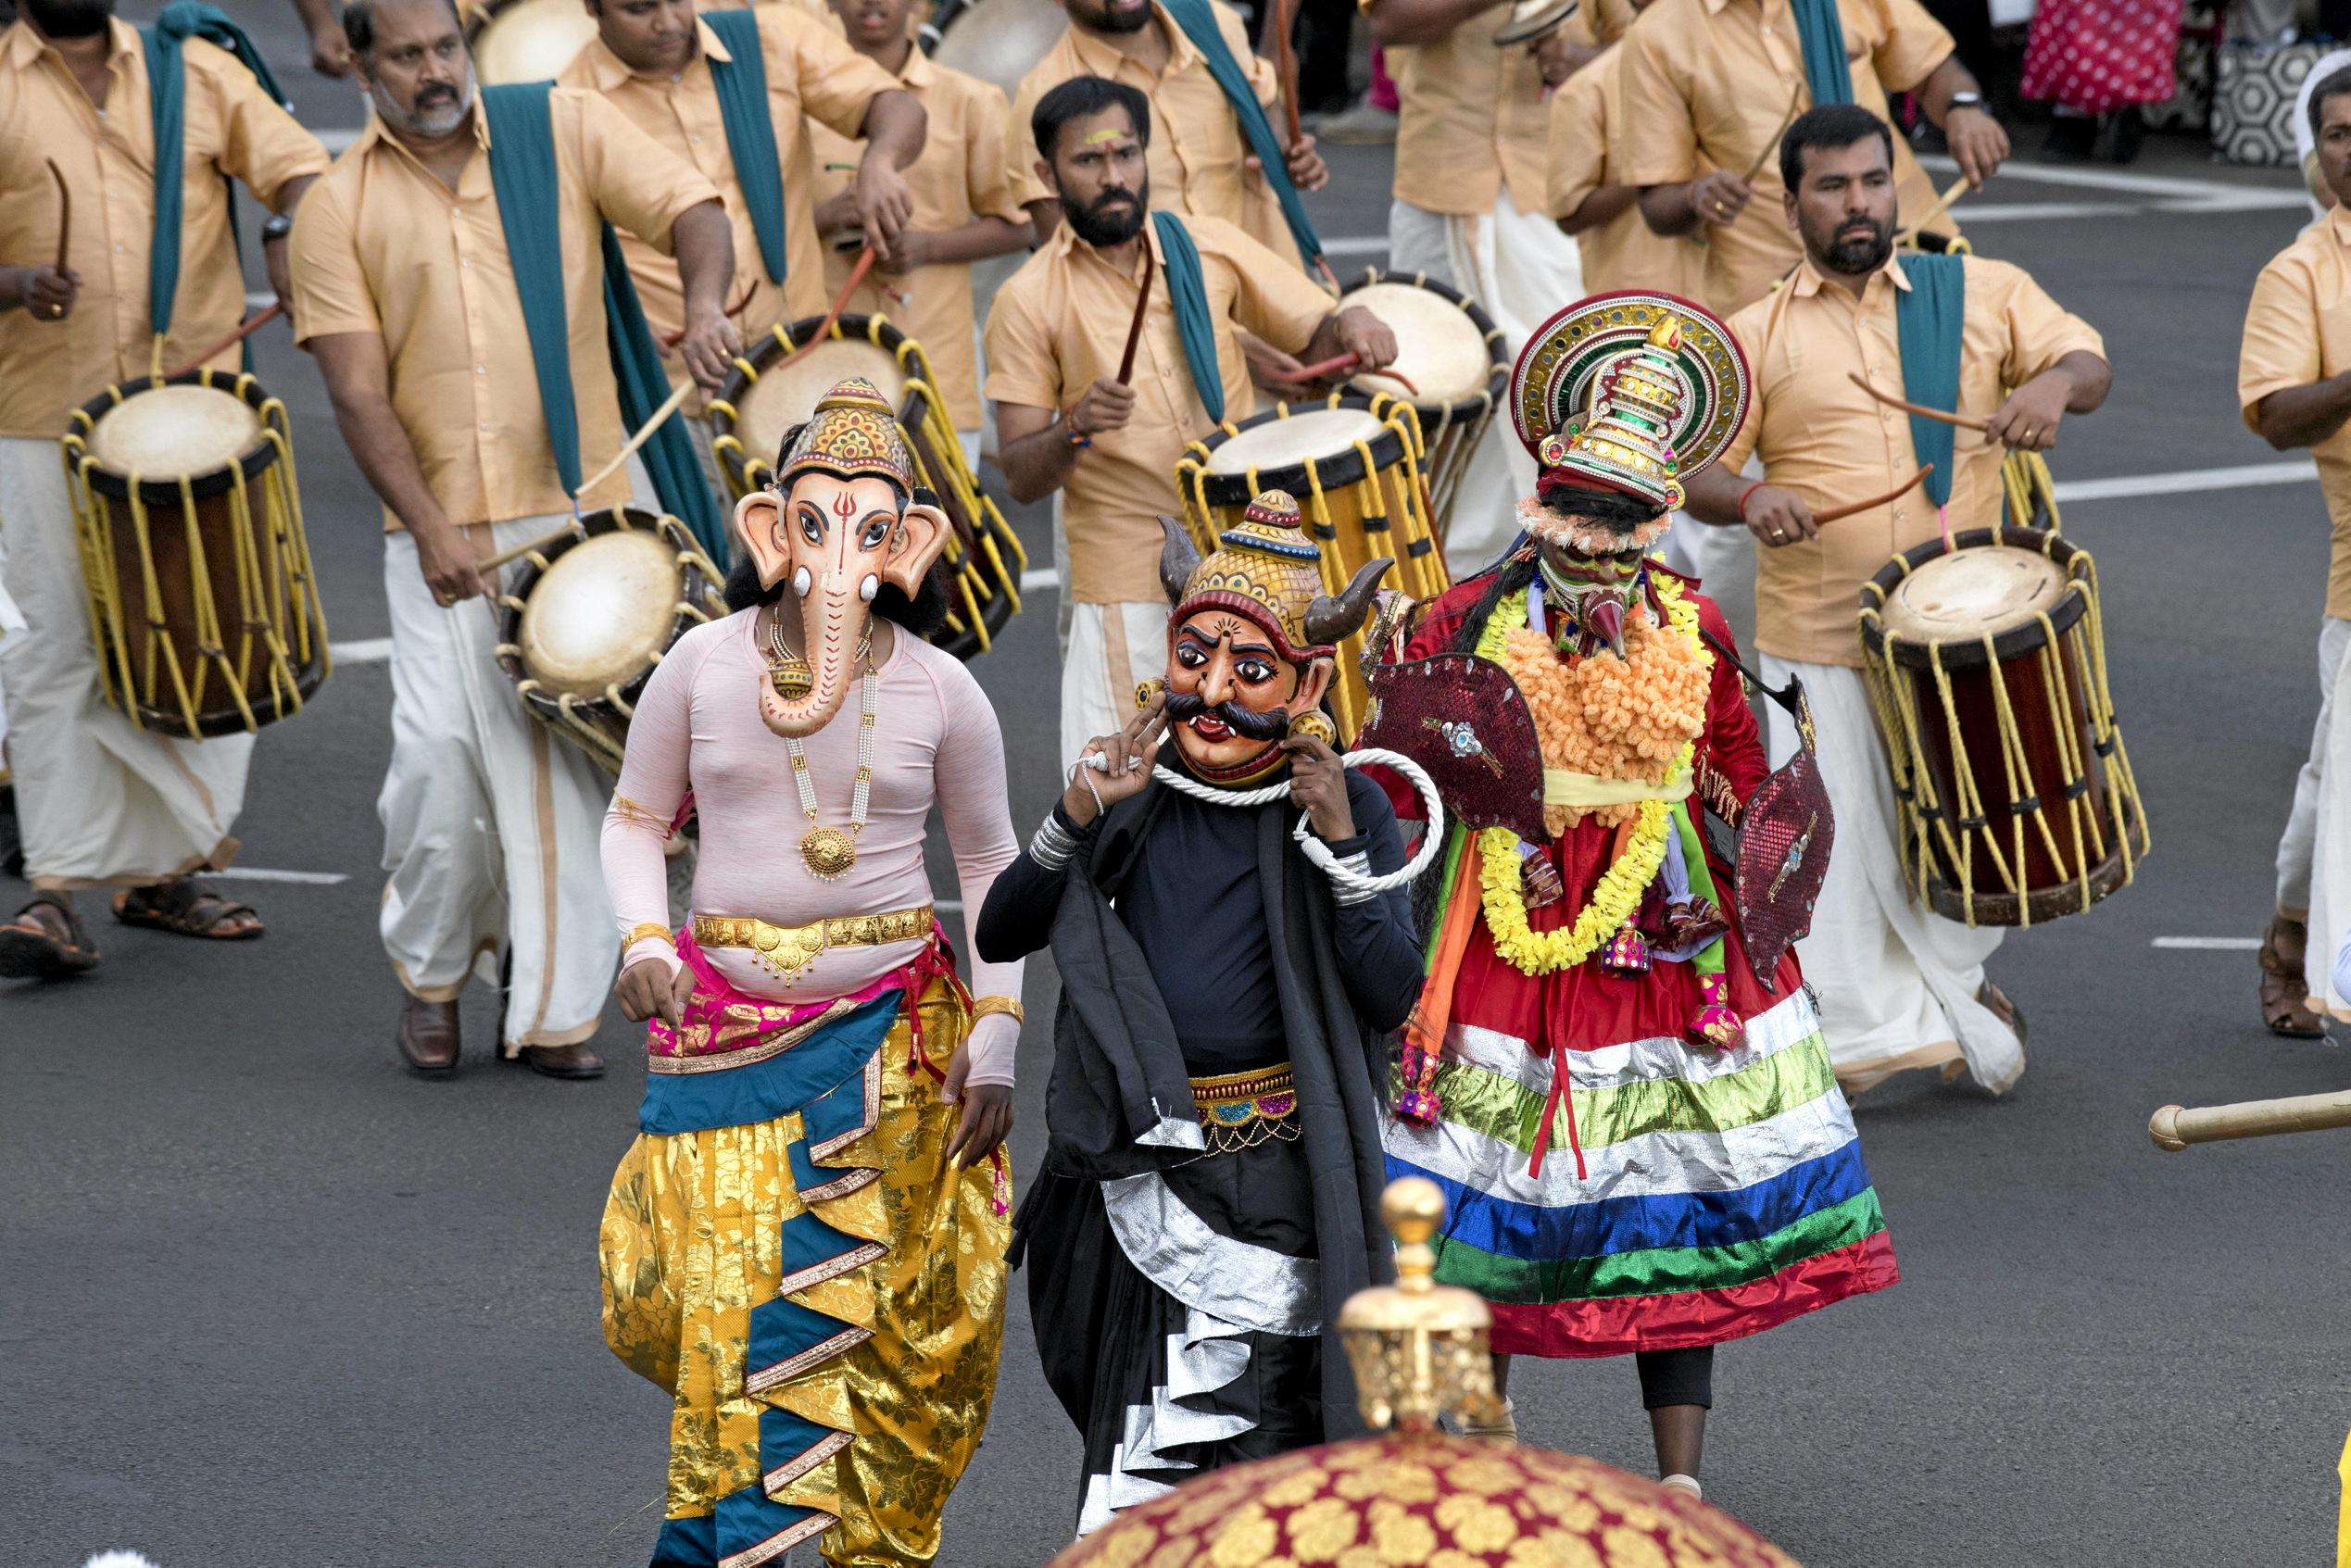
2005	1009
46	942
2286	988
186	907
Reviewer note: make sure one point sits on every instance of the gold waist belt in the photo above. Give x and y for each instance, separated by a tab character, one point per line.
1241	1109
784	950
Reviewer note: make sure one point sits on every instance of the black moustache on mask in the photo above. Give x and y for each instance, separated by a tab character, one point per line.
1247	722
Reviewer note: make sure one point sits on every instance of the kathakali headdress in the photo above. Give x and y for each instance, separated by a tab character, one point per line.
1627	394
853	431
1269	571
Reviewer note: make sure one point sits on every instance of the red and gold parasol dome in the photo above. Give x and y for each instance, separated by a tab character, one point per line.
1427	1502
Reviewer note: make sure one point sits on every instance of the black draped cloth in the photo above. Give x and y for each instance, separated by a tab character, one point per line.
1186	1302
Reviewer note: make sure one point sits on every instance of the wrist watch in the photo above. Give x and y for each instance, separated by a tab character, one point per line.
1964	101
276	229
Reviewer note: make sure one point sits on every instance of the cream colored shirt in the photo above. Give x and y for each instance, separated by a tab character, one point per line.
382	245
960	175
1706	84
1196	146
1624	252
2297	330
811	73
1061	322
1471	118
230	130
1831	443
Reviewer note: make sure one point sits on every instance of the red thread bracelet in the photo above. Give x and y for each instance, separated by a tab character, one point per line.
1742	507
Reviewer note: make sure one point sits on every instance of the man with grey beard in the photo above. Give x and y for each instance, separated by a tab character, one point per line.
1901	987
105	803
405	290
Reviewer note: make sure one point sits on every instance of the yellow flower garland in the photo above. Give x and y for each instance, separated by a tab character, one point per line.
1618	895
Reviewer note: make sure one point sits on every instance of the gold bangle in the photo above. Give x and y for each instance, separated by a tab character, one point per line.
1008	1005
641	932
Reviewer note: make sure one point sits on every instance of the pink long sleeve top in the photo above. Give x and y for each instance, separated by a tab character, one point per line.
935	741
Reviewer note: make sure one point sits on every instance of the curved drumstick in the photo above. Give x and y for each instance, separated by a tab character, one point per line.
1134	329
1836	513
246	329
2175	1127
1342	364
1771	148
1959	187
1964	422
65	214
840	303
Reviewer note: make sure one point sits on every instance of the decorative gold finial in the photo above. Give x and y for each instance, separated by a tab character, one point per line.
1419	1348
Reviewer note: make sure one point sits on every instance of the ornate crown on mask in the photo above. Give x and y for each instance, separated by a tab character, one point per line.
853	433
1268	571
1628	393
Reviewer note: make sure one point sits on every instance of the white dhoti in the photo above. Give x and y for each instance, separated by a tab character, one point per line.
491	822
1110	649
2314	854
1898	983
1522	270
101	802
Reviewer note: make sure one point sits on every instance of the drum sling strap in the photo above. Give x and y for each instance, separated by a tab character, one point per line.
1821	32
1929	316
1188	292
524	175
751	134
1198	22
167	102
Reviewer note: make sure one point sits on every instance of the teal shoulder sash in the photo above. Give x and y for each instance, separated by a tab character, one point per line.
167	102
1188	292
1929	316
524	176
1821	32
1198	22
751	133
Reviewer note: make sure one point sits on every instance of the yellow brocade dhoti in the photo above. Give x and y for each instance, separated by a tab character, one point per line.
692	1243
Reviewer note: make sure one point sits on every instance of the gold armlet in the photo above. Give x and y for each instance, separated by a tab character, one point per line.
642	931
1007	1005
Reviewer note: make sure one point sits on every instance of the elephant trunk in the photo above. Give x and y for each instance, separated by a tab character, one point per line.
832	619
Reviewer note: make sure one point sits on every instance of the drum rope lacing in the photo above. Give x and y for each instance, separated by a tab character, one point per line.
1314	849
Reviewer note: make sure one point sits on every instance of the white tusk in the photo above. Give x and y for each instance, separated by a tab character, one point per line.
871	586
801	581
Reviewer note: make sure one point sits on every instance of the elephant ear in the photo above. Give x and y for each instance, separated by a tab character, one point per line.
922	531
754	525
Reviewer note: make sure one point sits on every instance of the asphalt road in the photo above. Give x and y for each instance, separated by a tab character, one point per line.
268	1300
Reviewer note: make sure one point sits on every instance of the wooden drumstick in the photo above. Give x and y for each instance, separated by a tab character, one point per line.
833	316
1836	514
2175	1127
246	329
1764	155
566	532
1964	421
65	215
1340	365
1959	187
1134	328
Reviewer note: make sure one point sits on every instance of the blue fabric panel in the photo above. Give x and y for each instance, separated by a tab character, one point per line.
522	172
1612	1226
748	1518
1821	32
644	386
1930	318
782	1329
1188	292
1198	23
750	132
687	1543
167	104
787	1082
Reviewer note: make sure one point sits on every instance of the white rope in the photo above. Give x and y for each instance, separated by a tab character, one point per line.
1313	847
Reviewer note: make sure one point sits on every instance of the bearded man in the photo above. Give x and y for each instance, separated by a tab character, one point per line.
1692	1174
104	802
1212	1164
1902	987
1076	413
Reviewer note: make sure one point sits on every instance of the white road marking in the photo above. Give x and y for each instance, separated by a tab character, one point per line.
263	873
1361	244
1039	580
2182	481
367	650
2210	944
2115	180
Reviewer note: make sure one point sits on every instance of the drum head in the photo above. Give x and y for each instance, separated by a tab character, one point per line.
175	431
1319	434
600	612
1963	596
528	40
1439	345
782	398
1001	41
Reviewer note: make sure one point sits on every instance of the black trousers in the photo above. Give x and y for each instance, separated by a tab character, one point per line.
1675	1378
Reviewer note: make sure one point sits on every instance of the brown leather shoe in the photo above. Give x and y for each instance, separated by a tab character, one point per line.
2285	990
562	1061
429	1037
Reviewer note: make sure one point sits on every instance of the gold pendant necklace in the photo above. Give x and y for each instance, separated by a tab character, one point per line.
787	671
829	852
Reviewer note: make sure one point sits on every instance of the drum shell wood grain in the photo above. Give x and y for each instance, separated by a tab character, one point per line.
2054	885
254	477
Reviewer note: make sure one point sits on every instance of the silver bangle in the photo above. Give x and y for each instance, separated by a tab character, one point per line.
1054	846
